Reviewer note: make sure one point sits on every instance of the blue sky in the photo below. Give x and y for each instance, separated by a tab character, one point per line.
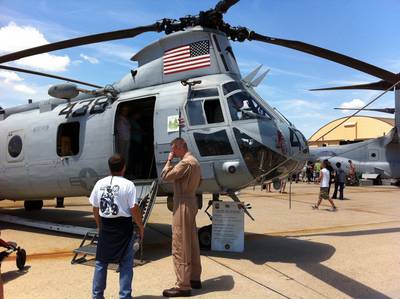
364	29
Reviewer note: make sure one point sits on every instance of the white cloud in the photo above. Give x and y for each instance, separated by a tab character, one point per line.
14	38
23	88
90	59
12	81
9	76
355	103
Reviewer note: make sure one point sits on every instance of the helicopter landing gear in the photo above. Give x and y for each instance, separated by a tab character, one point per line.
204	234
33	205
60	202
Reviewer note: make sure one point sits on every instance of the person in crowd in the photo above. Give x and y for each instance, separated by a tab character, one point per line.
340	179
324	178
317	169
123	132
186	178
114	204
331	174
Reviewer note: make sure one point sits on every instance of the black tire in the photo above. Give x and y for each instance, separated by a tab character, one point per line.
21	259
33	205
205	235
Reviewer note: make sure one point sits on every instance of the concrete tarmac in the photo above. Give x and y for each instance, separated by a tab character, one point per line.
289	253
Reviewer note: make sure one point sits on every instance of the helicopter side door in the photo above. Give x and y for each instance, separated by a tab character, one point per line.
134	136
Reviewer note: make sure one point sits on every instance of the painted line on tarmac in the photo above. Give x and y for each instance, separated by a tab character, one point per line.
45	255
295	280
246	276
280	198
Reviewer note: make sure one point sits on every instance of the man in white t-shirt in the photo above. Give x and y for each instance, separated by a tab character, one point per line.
324	179
114	203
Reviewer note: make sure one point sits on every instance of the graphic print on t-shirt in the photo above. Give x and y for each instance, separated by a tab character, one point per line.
107	203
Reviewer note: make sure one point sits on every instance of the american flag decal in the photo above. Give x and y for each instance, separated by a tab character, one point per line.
188	57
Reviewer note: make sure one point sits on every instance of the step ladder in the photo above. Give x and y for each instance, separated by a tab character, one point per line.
146	191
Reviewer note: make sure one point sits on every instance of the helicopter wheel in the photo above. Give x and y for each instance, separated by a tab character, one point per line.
60	202
205	237
32	205
21	258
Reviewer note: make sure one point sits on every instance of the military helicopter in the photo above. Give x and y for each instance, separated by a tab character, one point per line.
59	147
379	158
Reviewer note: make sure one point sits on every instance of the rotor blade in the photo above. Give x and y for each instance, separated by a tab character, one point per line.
383	110
329	55
380	85
79	41
224	5
16	69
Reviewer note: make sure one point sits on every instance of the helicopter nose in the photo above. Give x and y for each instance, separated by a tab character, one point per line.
261	151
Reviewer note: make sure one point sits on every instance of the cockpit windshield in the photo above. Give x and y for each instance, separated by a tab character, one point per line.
243	106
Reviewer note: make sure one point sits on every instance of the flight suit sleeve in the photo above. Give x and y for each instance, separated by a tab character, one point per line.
171	173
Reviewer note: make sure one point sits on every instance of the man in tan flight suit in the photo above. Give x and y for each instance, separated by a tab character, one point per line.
186	177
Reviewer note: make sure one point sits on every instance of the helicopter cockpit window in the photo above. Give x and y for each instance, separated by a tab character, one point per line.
68	139
203	93
243	106
201	112
231	86
214	144
195	113
212	108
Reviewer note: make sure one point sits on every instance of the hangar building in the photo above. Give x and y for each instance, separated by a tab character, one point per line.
355	129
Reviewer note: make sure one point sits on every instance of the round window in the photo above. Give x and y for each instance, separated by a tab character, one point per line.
15	146
373	155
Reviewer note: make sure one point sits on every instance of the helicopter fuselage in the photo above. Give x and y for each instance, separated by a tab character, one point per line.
60	148
234	147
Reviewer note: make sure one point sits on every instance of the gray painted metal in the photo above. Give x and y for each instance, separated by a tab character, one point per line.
379	156
62	228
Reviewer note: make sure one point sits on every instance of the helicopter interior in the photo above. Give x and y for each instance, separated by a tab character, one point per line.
134	137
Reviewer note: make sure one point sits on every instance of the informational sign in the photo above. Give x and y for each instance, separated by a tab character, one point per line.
227	227
173	123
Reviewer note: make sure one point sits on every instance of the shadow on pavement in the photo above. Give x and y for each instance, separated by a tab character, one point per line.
212	285
341	282
11	275
216	284
307	255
